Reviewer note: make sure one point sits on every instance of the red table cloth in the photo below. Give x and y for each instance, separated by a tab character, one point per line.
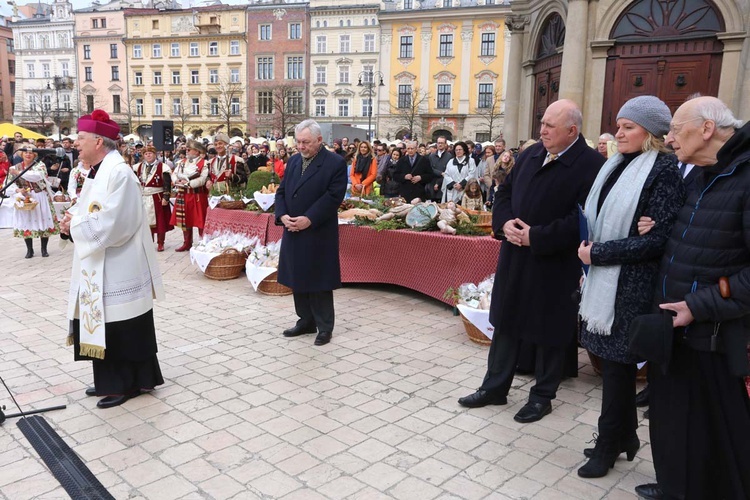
428	262
239	221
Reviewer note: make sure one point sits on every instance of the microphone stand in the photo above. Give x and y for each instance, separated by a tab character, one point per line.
15	179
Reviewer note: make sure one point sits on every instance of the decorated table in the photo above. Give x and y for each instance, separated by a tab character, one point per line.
240	222
428	262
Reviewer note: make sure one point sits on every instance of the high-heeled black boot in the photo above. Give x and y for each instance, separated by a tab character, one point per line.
603	458
29	247
44	247
629	445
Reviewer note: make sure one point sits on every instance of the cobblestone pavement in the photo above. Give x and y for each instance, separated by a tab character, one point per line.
246	413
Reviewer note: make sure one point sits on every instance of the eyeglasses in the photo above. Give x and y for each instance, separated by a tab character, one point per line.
673	127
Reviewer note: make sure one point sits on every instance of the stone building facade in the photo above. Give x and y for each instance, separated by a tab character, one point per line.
7	66
602	52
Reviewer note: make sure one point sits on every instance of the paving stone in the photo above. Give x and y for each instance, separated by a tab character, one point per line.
246	414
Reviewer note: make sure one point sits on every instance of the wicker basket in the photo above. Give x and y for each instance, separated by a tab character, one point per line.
474	333
270	286
484	219
28	206
226	266
231	205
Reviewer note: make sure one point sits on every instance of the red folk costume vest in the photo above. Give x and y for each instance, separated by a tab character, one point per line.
153	185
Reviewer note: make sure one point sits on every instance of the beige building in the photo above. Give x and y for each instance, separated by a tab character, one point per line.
188	66
344	60
601	53
445	63
100	56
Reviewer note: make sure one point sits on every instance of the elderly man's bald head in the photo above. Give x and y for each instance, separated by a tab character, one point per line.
561	124
699	128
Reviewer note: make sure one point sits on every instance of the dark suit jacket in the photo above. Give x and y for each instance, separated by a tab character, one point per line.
531	298
407	189
309	260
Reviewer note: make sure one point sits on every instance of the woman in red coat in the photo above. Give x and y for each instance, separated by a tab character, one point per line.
4	167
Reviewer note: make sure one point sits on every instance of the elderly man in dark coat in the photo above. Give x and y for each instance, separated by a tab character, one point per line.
413	173
538	270
307	203
700	410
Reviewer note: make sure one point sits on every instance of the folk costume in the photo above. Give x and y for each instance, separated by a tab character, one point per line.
76	180
457	173
115	276
227	171
191	202
41	221
157	185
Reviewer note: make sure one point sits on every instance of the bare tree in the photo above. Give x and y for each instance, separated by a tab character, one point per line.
408	110
490	111
39	109
288	107
225	102
131	113
184	114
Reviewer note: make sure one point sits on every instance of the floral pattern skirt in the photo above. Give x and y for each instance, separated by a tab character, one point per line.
38	223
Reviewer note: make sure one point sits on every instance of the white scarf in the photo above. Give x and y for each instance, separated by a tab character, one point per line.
613	223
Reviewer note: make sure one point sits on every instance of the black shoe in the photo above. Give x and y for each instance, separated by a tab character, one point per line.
111	401
482	398
645	414
650	491
602	458
531	412
629	446
641	399
298	330
91	391
323	338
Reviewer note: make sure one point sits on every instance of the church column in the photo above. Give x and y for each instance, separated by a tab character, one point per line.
384	94
573	71
732	85
516	25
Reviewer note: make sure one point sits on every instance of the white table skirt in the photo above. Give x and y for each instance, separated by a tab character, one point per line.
6	214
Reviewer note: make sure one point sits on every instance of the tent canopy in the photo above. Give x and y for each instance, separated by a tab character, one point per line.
8	129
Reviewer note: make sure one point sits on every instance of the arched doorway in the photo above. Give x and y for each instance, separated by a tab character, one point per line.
437	133
547	65
663	48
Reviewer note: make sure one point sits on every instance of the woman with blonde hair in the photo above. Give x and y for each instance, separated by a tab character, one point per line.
364	170
641	179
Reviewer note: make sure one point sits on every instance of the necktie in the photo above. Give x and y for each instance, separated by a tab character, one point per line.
550	157
683	168
411	161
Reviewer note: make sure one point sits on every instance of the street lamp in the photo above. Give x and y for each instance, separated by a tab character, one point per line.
369	84
59	83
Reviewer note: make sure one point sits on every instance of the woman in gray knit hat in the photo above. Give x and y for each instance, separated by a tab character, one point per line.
642	179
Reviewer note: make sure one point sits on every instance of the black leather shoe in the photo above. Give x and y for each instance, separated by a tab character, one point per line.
531	412
641	399
298	330
91	391
111	401
482	398
650	491
323	338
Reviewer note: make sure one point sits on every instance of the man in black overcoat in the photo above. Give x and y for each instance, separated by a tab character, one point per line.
307	203
413	172
536	215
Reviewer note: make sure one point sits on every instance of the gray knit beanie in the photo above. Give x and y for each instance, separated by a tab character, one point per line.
649	112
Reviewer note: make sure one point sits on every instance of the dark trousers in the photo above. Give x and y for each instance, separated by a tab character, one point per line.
619	417
502	361
315	309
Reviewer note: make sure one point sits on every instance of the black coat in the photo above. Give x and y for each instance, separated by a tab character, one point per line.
531	298
438	164
661	198
407	189
700	418
309	260
711	239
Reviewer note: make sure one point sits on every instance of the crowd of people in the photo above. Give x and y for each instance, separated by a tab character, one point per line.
641	254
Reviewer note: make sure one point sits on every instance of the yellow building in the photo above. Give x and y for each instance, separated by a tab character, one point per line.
444	67
188	66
